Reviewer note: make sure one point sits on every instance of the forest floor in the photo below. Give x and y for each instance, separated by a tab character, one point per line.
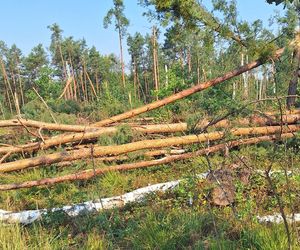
182	218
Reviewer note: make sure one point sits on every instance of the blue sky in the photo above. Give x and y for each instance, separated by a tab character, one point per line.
24	22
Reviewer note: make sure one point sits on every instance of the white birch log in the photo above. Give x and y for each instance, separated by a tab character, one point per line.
29	216
277	218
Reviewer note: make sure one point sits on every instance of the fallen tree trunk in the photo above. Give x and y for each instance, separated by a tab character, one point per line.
99	151
187	92
29	216
77	137
285	112
46	125
153	153
264	119
277	218
90	173
147	129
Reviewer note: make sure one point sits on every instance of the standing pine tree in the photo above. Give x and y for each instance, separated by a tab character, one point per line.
121	24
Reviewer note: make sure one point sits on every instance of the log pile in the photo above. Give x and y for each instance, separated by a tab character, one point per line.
82	138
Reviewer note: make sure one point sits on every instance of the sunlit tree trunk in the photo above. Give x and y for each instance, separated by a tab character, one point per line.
121	59
8	89
292	91
82	86
155	75
245	77
167	77
198	69
189	61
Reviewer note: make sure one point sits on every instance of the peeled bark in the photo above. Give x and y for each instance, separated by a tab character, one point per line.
187	92
99	151
90	173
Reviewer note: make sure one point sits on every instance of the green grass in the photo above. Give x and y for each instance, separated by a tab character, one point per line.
162	220
154	226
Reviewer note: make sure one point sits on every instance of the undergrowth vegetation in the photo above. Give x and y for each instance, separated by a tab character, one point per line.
72	83
183	218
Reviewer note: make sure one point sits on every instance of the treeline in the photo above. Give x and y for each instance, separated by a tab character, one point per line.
195	46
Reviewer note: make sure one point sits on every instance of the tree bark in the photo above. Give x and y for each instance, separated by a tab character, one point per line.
148	154
268	118
121	59
155	76
292	91
99	151
90	133
91	173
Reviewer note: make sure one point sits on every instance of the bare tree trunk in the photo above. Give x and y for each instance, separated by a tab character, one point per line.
233	90
198	69
189	60
245	77
20	84
155	61
121	59
85	86
91	84
97	83
291	99
9	91
63	62
82	85
21	90
134	73
139	87
146	85
74	80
